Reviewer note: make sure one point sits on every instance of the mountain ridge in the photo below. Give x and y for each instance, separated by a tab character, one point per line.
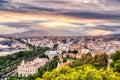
33	33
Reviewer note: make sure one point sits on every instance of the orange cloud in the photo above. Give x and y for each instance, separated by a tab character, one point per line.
8	16
99	32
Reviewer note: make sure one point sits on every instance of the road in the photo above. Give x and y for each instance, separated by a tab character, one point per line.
12	73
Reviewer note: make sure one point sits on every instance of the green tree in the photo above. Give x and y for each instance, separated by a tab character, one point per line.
85	72
115	64
100	61
115	56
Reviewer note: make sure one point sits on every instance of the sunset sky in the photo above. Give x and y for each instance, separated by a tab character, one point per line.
77	17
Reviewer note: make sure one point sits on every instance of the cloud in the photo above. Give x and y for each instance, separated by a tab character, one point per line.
92	15
68	17
10	30
99	32
3	1
23	24
18	25
77	8
108	27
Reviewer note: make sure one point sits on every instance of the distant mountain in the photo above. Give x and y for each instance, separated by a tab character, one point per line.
31	33
37	33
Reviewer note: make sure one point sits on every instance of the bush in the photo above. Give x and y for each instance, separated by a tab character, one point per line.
115	56
116	61
85	72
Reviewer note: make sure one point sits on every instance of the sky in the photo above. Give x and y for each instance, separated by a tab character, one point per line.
64	17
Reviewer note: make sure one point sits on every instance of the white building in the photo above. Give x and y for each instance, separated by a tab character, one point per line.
63	47
51	54
85	51
30	68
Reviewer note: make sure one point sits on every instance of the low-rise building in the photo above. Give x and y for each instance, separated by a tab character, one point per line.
53	53
30	68
63	47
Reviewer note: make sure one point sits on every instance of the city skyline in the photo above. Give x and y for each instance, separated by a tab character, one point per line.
78	17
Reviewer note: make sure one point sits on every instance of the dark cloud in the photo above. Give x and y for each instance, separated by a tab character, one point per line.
93	9
53	1
25	7
113	1
76	23
6	5
108	27
92	15
3	1
36	8
17	25
23	24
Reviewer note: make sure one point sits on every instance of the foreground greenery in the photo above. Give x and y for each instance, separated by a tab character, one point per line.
85	72
88	68
52	65
116	61
85	68
98	61
10	62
